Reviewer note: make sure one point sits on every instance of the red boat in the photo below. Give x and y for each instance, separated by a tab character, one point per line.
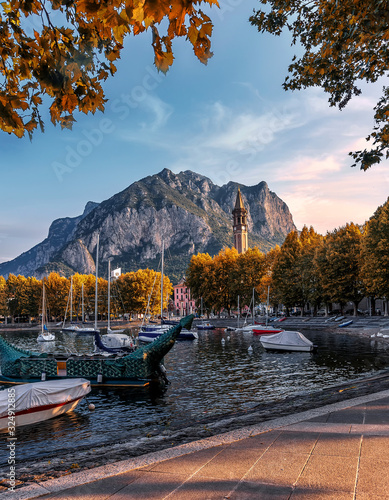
266	330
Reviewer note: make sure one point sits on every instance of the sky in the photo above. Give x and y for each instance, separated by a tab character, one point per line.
230	121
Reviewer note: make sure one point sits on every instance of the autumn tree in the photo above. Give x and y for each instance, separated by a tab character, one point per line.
249	271
57	294
63	51
143	288
198	278
340	273
375	253
3	297
344	43
222	279
286	278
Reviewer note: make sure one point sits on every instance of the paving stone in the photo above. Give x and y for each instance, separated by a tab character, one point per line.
278	468
315	494
340	445
248	490
329	473
373	477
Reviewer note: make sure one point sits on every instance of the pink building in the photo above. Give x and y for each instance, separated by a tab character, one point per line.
183	303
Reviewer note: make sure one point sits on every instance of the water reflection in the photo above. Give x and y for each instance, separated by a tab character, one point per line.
208	378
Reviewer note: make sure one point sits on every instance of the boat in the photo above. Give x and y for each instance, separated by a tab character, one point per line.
27	404
150	335
45	335
136	369
345	323
205	325
265	330
114	343
287	341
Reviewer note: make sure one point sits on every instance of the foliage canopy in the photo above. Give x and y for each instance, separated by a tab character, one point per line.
344	43
64	49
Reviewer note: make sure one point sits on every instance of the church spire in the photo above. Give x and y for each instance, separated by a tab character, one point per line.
240	224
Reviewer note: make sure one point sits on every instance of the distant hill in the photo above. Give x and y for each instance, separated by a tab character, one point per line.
186	211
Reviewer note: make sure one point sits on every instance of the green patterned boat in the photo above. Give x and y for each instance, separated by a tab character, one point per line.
137	369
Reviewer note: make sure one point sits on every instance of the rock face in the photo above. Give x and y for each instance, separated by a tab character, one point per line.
186	211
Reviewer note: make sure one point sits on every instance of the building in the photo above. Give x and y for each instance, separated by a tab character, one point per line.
239	215
183	302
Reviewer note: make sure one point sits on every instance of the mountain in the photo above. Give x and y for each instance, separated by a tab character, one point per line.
186	211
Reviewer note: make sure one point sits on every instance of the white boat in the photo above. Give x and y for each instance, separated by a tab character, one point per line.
116	340
205	325
287	341
45	335
31	403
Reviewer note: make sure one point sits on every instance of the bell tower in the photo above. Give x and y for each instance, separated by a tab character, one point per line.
240	224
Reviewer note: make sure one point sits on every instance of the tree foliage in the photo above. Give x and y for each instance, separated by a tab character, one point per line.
64	50
339	269
375	253
344	42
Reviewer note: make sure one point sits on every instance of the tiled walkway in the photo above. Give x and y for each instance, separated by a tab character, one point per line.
338	452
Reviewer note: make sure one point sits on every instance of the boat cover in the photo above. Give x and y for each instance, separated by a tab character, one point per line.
288	338
50	392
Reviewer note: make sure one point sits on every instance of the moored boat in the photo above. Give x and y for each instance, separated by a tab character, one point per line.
287	341
205	325
265	330
35	402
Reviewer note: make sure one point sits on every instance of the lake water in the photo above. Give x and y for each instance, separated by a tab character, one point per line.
207	378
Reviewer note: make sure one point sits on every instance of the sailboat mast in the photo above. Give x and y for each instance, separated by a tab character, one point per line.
109	294
43	304
267	305
97	268
238	311
253	305
71	299
82	303
162	283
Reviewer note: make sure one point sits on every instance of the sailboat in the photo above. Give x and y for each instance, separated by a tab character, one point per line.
114	340
148	333
267	329
45	335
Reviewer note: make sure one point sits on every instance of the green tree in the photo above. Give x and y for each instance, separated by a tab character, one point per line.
375	253
63	51
344	42
340	269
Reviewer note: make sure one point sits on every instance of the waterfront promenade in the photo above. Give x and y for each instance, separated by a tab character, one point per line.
335	452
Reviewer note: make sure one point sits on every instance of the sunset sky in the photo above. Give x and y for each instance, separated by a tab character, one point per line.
230	121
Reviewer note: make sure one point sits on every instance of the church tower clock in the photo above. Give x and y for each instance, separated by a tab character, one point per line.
240	224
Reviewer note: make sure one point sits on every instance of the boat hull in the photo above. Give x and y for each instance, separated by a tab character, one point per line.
34	415
285	347
266	331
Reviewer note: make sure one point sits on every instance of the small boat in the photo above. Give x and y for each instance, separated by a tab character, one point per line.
149	333
46	337
31	403
345	323
114	343
287	341
205	325
266	330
